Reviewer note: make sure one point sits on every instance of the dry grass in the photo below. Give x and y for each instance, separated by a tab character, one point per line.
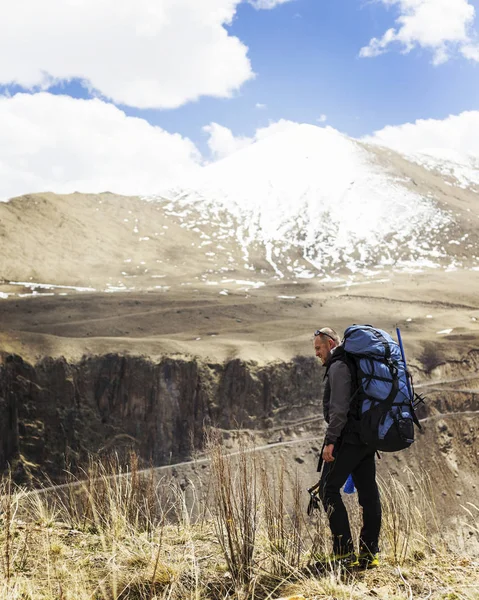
244	534
410	522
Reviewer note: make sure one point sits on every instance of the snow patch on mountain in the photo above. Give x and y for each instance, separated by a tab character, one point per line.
315	190
463	169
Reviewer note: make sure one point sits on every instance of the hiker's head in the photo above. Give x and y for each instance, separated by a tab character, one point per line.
325	340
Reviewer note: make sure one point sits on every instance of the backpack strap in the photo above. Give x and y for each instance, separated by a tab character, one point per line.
356	388
340	354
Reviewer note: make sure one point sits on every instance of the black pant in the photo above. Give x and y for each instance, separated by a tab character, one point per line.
357	460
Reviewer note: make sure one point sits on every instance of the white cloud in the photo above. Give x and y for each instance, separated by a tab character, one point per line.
437	25
136	52
260	106
322	118
456	133
61	144
267	4
471	51
222	142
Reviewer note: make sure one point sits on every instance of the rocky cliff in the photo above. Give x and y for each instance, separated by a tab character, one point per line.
53	414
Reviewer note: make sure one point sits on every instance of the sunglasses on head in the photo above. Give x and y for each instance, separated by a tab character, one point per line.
319	332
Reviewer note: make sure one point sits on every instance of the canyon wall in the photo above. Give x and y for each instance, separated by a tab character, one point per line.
53	414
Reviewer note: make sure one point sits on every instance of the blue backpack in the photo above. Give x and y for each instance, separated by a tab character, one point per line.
384	401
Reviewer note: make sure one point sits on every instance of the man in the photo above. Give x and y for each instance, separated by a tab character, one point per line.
344	454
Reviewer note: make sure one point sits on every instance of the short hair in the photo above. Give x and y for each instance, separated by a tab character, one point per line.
329	333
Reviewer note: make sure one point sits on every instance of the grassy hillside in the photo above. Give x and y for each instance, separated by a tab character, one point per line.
230	536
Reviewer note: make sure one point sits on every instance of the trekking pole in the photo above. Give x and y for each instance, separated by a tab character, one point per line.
314	502
311	490
401	347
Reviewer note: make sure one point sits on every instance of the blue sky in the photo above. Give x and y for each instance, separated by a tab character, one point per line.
305	55
182	73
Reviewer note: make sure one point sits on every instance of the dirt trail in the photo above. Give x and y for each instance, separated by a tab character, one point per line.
440	382
269	447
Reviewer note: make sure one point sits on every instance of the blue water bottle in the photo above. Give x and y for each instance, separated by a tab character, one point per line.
349	486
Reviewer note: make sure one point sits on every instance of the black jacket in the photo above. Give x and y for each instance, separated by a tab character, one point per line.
338	400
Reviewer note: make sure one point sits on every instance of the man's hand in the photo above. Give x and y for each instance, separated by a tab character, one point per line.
328	453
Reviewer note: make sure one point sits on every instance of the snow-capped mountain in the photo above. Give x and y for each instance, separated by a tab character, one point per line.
312	196
304	203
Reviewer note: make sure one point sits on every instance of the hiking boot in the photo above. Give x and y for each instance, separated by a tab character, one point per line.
344	562
367	560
